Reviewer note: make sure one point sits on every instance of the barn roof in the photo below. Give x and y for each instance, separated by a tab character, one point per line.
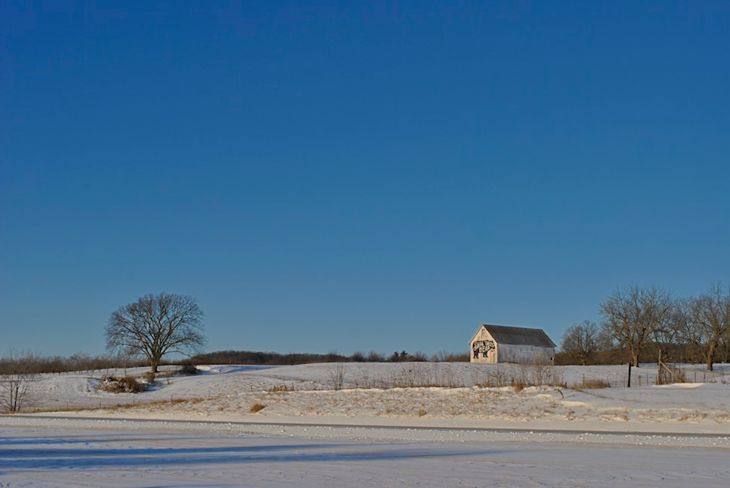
521	336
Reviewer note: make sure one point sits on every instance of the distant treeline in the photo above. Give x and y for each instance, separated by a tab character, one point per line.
687	353
274	358
28	363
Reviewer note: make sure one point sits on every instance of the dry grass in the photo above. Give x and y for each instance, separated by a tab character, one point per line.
280	389
444	376
337	376
521	376
163	403
256	407
121	406
592	383
154	404
669	375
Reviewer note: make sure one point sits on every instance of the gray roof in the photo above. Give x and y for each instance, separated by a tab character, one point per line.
521	336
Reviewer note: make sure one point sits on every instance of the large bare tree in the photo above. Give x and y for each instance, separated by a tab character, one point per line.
155	325
580	341
633	315
710	319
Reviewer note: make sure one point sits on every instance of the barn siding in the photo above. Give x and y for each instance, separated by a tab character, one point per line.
510	353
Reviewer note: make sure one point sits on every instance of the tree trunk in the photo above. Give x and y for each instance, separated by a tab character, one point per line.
711	355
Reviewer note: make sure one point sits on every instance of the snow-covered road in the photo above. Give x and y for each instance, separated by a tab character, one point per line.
79	452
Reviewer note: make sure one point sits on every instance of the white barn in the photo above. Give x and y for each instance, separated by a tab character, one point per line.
502	344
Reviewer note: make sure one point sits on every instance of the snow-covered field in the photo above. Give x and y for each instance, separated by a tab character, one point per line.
364	424
76	452
443	394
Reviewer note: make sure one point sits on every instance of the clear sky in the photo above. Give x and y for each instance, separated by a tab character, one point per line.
356	175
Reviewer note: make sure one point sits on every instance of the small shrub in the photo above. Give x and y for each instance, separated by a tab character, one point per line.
149	377
187	369
447	357
256	407
131	384
422	412
280	388
518	386
337	376
125	384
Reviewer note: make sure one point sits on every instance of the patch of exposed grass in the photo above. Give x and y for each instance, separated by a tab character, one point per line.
256	407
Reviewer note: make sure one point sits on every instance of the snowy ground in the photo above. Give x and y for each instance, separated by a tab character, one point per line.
407	424
430	394
51	453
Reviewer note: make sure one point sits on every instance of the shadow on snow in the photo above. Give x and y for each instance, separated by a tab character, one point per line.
29	459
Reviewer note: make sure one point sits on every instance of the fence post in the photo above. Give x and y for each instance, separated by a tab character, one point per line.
628	383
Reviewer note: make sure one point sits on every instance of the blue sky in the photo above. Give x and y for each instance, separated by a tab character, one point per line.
356	175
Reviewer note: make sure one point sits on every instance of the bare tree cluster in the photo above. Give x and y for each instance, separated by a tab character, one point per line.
708	322
581	342
649	323
634	315
35	364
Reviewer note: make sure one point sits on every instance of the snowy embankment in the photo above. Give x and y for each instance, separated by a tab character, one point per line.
428	394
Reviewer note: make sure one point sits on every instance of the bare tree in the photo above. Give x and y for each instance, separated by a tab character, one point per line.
633	315
690	337
18	375
669	330
710	320
581	341
337	376
155	325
